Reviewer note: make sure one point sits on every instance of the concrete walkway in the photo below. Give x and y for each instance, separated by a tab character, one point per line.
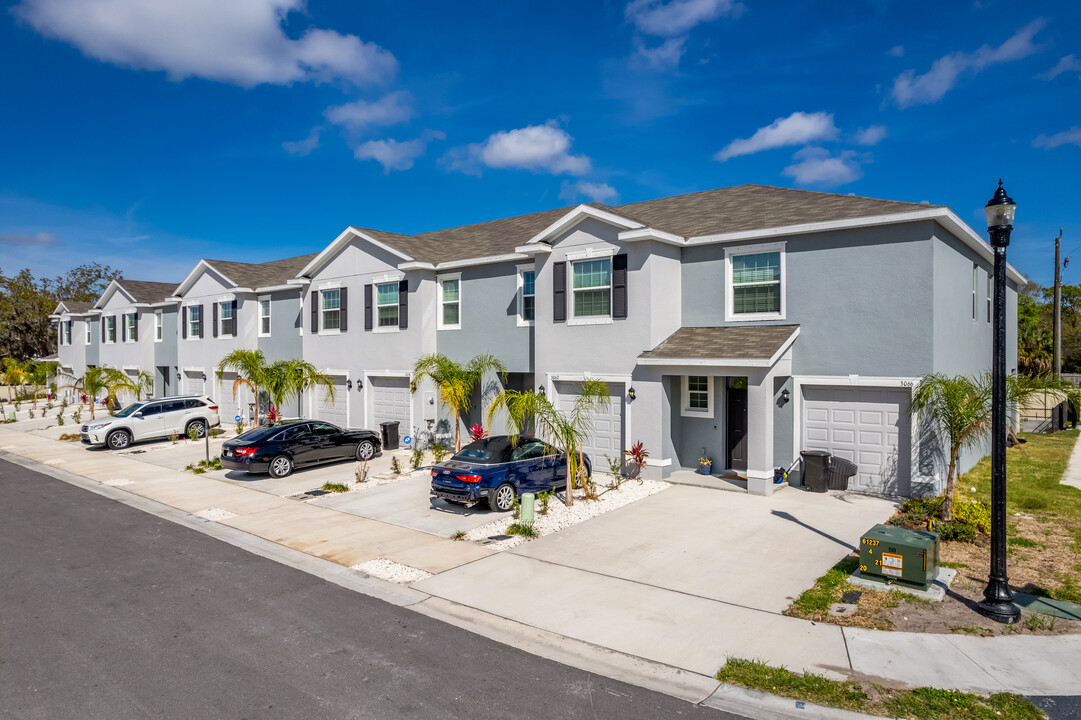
646	592
1072	476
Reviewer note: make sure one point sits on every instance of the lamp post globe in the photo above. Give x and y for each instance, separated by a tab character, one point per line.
997	603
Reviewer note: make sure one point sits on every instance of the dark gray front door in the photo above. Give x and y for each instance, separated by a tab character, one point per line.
736	422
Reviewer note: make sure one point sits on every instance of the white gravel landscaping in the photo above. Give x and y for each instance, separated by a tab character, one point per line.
391	571
560	516
216	514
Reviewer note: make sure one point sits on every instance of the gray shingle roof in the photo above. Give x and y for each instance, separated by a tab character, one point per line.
77	307
745	342
256	275
733	209
147	292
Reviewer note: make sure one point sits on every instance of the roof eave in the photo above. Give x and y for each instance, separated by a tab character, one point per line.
578	214
341	241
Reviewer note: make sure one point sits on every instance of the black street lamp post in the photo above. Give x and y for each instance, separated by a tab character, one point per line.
997	602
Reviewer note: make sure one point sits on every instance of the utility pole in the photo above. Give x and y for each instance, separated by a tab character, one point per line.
1056	339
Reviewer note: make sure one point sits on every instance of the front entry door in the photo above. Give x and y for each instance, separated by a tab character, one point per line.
736	422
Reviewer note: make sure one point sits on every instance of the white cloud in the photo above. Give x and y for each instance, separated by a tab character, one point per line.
540	148
241	42
391	109
796	129
871	135
676	17
662	57
302	147
1068	137
911	89
1068	64
896	51
41	239
394	155
596	192
816	166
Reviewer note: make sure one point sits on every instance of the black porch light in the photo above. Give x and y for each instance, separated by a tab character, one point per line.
541	391
348	384
632	394
178	376
997	602
204	377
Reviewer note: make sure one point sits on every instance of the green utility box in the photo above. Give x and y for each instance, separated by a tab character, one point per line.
898	555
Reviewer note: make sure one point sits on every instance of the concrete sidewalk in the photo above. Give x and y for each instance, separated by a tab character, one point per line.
634	593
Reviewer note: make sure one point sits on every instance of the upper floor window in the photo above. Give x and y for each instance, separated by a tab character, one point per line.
386	304
130	333
159	326
110	329
975	283
264	318
195	321
591	284
330	310
527	295
89	336
755	282
65	329
989	294
450	302
226	320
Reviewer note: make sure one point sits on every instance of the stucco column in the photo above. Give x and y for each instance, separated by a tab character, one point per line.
649	421
760	433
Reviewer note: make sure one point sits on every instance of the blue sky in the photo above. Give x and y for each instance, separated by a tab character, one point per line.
149	134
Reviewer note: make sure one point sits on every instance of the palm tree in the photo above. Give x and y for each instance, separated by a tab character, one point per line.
13	375
960	407
289	378
38	374
143	384
455	382
567	431
97	379
250	367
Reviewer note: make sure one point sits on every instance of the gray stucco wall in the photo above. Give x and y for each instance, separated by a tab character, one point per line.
285	341
489	318
165	351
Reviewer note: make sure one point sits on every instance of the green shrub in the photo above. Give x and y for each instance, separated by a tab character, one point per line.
523	529
544	497
956	531
439	453
976	514
216	431
395	466
335	487
416	458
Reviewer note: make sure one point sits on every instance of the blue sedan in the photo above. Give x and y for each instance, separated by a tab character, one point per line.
499	469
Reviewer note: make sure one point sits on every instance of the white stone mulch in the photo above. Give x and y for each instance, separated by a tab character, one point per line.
216	514
560	516
392	571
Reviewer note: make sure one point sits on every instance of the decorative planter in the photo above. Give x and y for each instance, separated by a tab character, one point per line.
705	469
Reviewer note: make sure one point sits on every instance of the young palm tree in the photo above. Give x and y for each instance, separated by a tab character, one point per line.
251	368
286	379
144	384
101	379
567	431
13	375
38	375
961	408
455	382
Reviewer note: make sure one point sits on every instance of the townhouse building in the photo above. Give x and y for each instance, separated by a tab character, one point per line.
76	343
137	332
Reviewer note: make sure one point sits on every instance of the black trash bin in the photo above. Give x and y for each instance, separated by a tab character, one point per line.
840	470
389	431
816	465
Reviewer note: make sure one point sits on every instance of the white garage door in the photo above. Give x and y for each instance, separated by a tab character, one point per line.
607	435
390	401
221	391
867	426
193	384
333	411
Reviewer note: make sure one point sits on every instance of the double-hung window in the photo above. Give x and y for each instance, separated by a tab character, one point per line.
264	318
450	302
159	326
89	334
110	329
527	295
67	332
330	310
975	282
755	282
129	327
195	322
592	288
386	305
226	321
697	396
989	295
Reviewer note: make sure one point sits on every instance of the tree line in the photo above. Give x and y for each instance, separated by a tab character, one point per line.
1035	329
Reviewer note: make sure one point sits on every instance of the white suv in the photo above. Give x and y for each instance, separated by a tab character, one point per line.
155	418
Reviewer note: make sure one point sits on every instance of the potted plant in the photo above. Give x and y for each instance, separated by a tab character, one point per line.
705	466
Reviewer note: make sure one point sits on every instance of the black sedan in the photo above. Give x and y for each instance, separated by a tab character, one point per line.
279	448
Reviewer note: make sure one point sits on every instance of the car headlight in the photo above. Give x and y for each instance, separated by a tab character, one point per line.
96	427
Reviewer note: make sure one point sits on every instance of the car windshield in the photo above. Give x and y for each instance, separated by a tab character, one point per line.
258	433
489	451
130	410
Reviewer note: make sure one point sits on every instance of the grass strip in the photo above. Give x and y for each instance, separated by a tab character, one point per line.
919	704
335	487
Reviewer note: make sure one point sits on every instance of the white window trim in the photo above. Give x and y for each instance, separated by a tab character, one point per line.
729	290
159	326
573	319
322	319
89	333
975	284
397	327
221	319
127	330
522	322
192	335
268	316
990	294
685	404
591	253
439	280
115	330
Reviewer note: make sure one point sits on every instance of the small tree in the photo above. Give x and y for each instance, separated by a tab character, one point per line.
566	430
38	374
287	379
250	367
144	384
455	382
97	380
13	375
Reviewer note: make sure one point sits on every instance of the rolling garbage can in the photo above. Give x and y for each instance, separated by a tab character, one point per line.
389	431
816	465
839	472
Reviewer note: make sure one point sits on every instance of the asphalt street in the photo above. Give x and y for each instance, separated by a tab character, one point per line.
110	612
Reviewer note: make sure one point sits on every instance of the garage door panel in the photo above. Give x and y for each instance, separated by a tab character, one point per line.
332	410
391	402
842	416
606	437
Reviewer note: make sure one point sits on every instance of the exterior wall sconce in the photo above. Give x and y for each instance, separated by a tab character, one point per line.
348	384
178	377
786	395
204	377
360	385
631	394
541	391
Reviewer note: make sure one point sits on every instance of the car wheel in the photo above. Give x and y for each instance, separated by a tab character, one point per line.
502	499
365	450
199	425
281	466
118	439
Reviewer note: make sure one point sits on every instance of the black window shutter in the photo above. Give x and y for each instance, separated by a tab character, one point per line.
559	291
135	328
403	304
367	307
619	286
343	309
313	300
185	315
214	332
202	321
124	327
102	321
236	320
